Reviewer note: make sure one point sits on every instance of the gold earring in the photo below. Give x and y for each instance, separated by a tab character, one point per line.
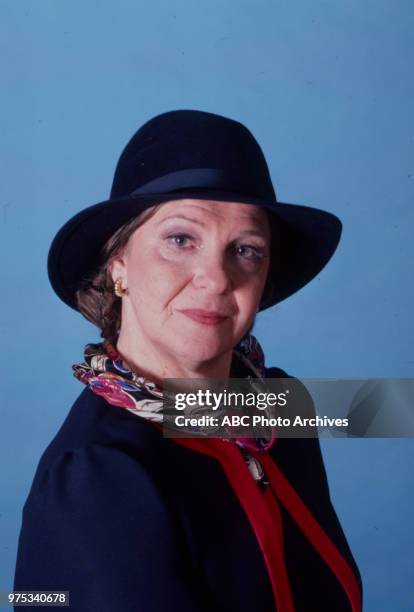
119	290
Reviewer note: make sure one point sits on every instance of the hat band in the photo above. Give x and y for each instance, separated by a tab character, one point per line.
213	178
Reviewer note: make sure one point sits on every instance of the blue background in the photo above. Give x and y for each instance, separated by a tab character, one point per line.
327	88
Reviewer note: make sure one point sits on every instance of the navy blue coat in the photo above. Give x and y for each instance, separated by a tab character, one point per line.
129	521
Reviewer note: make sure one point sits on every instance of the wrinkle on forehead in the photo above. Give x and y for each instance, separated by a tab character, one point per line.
217	208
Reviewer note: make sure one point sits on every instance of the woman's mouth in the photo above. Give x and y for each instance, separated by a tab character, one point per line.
205	317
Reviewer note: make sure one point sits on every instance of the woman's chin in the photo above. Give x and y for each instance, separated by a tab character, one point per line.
202	348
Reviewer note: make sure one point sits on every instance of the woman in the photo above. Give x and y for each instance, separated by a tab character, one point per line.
173	268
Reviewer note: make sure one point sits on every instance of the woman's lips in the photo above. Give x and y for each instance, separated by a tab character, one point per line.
206	317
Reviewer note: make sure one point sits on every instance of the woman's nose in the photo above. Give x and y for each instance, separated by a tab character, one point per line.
212	274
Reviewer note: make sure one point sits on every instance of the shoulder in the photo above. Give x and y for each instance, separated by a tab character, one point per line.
94	427
101	458
101	448
90	500
104	455
92	481
274	372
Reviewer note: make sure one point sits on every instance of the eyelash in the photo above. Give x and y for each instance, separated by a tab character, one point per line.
258	253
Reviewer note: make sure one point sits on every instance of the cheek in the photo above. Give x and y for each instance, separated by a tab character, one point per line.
248	298
155	283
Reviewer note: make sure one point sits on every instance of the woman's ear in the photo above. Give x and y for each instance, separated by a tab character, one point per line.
117	268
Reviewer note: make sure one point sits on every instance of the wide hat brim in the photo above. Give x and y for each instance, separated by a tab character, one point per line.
307	239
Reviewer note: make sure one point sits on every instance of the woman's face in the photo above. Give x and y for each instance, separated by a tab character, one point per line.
195	273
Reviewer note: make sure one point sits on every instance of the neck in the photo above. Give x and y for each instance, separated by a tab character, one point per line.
154	364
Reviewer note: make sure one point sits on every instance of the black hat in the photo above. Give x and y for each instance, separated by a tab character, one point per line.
199	155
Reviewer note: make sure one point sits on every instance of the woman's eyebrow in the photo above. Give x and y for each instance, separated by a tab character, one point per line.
178	216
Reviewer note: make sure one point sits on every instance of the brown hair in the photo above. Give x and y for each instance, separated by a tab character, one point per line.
95	298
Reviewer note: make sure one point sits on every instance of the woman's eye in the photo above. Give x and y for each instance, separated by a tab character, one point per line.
251	252
179	240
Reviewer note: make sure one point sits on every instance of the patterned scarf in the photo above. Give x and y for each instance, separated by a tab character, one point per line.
107	375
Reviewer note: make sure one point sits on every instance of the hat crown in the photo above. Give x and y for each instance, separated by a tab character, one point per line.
173	143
